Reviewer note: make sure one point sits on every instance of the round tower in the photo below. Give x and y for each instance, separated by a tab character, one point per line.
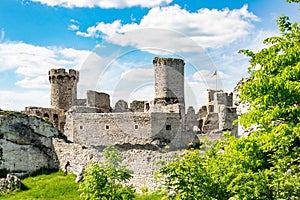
169	81
63	87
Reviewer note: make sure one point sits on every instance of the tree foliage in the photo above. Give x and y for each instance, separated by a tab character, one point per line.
274	89
103	181
266	164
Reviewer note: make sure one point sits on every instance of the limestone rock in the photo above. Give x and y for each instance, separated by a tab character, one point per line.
25	144
10	183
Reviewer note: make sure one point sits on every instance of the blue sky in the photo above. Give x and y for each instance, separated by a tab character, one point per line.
113	43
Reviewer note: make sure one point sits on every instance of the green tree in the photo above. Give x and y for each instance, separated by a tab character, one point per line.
103	181
266	164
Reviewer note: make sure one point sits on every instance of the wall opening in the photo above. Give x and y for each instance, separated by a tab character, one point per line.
168	127
136	126
107	127
55	119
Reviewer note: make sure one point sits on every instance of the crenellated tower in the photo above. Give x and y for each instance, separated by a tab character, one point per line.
63	88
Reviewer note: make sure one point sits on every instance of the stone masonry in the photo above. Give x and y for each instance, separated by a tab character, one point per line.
141	131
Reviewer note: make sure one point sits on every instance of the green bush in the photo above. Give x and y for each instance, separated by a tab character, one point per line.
103	181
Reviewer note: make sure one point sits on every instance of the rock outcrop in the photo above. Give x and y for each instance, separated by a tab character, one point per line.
26	143
9	184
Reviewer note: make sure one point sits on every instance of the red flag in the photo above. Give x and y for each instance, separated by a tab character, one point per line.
214	74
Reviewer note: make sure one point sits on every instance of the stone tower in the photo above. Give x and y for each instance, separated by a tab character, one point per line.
169	81
63	88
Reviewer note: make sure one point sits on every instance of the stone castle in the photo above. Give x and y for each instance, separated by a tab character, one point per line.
139	131
163	121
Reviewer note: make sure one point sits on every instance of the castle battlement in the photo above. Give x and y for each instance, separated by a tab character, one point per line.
168	61
62	73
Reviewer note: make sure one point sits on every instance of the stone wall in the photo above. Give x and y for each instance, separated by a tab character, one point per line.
63	88
143	162
219	113
191	123
108	128
119	128
25	144
121	106
56	116
137	106
169	81
99	100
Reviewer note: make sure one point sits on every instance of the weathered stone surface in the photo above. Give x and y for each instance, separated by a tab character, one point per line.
26	144
121	106
218	115
99	100
63	88
137	106
9	184
143	162
55	116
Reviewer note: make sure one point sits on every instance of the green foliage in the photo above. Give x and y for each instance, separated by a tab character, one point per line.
266	164
274	88
46	119
157	195
47	187
103	181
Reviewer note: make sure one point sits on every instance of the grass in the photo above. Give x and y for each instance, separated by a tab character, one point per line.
149	196
53	186
57	186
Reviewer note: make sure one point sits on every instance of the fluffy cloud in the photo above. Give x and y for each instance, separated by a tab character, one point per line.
104	3
32	62
17	100
208	28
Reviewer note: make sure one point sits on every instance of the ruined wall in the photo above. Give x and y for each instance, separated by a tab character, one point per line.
99	100
218	115
121	106
118	128
142	162
165	126
108	128
26	144
137	106
191	120
63	88
56	116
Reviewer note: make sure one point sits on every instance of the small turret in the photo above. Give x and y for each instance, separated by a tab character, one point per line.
63	87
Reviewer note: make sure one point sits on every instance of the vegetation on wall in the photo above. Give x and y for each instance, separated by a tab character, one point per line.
104	180
265	165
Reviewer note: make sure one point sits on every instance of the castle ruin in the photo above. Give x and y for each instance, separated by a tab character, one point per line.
161	122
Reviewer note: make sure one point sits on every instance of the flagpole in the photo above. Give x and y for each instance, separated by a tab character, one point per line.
217	81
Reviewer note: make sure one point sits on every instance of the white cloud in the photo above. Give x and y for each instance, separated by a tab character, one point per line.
19	100
2	35
73	27
31	64
33	61
104	3
39	82
138	74
208	28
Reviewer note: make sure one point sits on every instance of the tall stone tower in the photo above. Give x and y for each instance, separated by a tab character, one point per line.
169	81
63	88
